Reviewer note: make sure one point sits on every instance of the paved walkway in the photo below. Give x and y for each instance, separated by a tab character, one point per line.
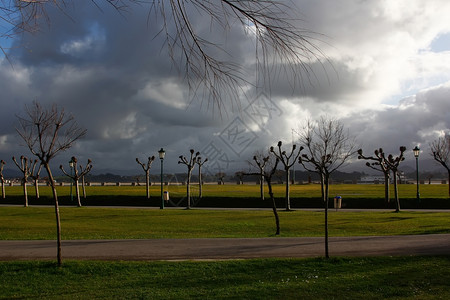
227	248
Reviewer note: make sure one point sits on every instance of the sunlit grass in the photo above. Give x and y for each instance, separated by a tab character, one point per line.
247	190
135	223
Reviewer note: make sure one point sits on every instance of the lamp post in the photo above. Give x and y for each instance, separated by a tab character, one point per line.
71	162
162	153
416	151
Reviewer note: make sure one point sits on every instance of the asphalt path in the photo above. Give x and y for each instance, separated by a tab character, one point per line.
227	248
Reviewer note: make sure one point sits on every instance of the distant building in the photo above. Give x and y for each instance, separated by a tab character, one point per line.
371	180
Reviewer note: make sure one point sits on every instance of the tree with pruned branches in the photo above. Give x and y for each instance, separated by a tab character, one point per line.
47	132
440	150
328	146
288	160
200	164
261	163
279	43
35	173
394	163
25	168
146	167
77	175
380	163
190	164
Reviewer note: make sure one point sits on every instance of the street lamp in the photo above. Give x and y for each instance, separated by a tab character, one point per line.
162	153
416	151
71	164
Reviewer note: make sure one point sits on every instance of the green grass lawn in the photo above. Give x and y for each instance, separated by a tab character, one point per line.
18	223
248	190
343	278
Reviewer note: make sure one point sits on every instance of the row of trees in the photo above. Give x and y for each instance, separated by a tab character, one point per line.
31	169
194	159
325	146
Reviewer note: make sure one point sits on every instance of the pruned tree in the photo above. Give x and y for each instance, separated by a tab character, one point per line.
440	150
271	25
221	176
2	178
328	146
77	175
83	182
200	164
260	156
262	163
190	163
393	163
240	176
35	173
47	132
25	168
380	164
288	160
146	167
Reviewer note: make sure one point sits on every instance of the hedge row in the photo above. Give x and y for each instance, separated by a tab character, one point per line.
230	202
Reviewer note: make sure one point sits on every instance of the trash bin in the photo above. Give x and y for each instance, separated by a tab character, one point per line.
166	196
337	202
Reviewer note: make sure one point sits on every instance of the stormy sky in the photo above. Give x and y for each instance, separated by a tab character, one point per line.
385	74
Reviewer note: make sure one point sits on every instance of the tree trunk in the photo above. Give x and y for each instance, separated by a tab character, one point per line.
288	201
77	192
58	219
83	185
199	182
36	188
261	187
188	189
25	194
397	200
386	188
147	183
3	189
274	207
325	189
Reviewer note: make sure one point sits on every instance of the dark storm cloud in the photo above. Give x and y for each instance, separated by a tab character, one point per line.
113	73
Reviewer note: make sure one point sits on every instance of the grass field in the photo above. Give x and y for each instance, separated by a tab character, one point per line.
248	190
344	278
134	223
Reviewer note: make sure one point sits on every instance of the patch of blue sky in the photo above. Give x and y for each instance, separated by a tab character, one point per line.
441	43
6	34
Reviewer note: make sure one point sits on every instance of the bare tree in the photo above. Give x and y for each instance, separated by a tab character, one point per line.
262	163
380	164
328	146
221	176
25	168
35	173
146	168
200	164
440	150
240	176
2	178
77	175
260	156
46	132
190	166
278	41
393	163
83	183
288	160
